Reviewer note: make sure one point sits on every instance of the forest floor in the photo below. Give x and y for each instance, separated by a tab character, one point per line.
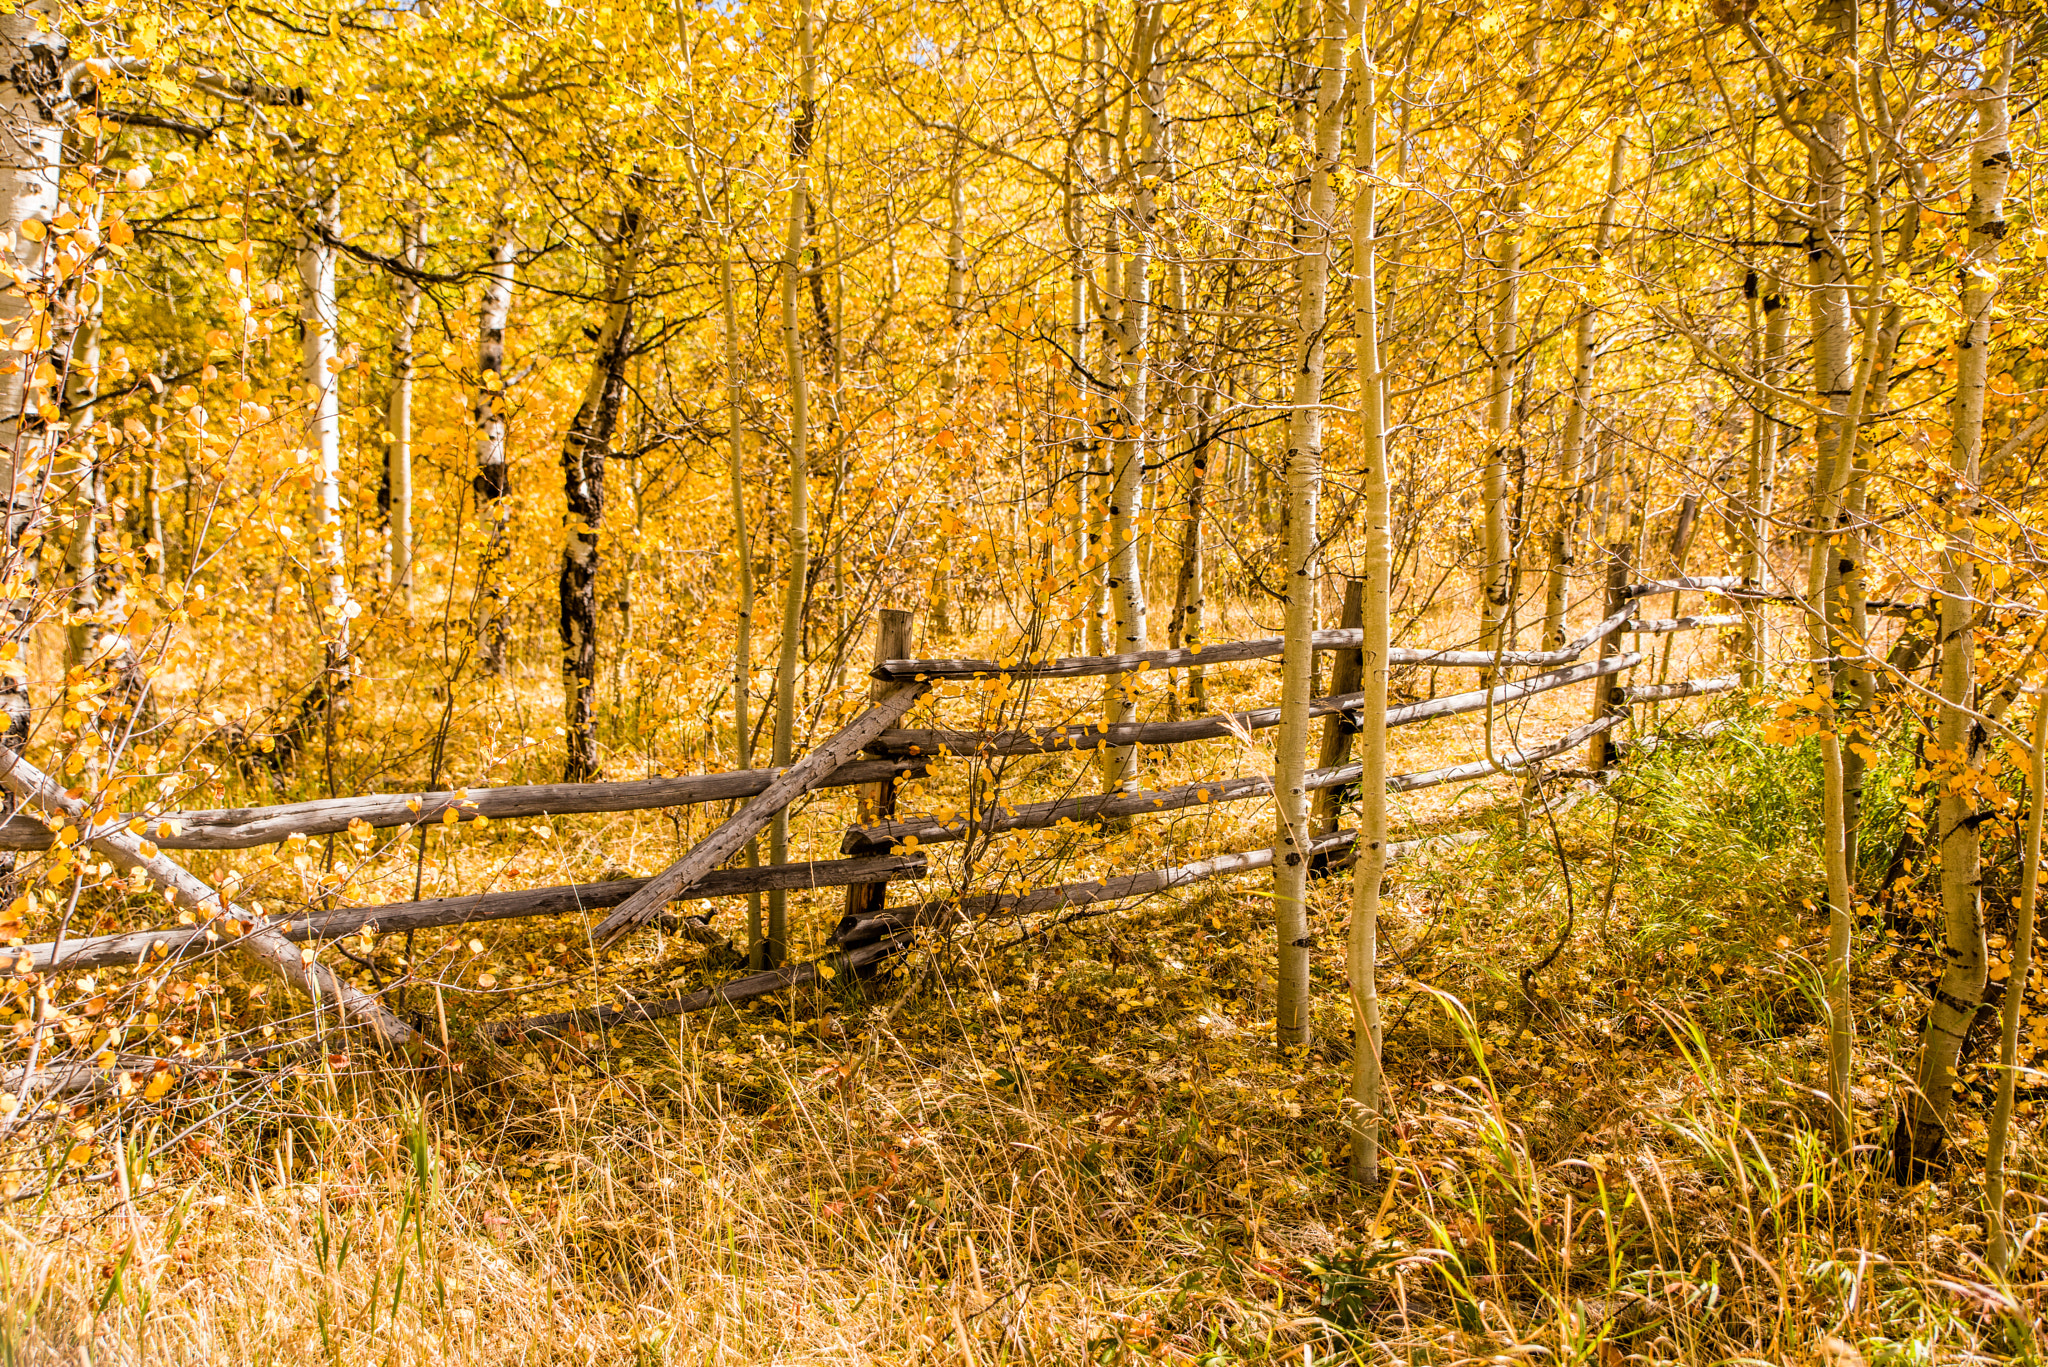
1603	1051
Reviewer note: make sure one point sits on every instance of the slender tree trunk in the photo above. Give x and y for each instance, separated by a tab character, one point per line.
1323	130
493	475
1887	318
1958	736
320	324
583	461
1573	488
1362	946
88	488
1762	476
398	454
1497	584
1080	443
1125	578
769	950
1828	295
949	375
1102	394
1184	628
742	546
1998	1252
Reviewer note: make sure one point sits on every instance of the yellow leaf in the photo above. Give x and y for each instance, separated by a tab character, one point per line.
33	229
158	1086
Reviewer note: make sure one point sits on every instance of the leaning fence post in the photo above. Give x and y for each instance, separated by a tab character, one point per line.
1608	696
892	642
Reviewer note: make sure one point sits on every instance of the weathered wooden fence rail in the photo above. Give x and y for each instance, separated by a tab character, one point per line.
915	833
242	828
1049	740
867	940
145	946
882	851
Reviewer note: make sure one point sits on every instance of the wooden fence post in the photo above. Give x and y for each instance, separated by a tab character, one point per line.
1347	671
1608	695
892	642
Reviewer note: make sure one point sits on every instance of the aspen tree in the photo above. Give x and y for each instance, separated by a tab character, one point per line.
1323	130
1999	1251
1504	344
949	374
1079	445
493	474
1889	316
398	418
736	476
583	461
31	155
1767	434
320	352
1362	945
768	949
88	485
1184	622
31	158
1124	576
1573	487
1958	736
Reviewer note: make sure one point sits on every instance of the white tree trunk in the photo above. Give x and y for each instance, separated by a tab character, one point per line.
321	356
1126	572
87	483
493	474
1762	478
398	419
1572	485
768	949
1496	585
1304	489
31	158
1362	947
1998	1250
949	374
1958	734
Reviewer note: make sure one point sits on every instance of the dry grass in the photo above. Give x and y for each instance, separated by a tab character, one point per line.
1075	1145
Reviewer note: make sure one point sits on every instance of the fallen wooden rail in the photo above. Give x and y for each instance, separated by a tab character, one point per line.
917	832
241	828
1351	638
888	939
258	940
1690	688
151	946
853	932
978	744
